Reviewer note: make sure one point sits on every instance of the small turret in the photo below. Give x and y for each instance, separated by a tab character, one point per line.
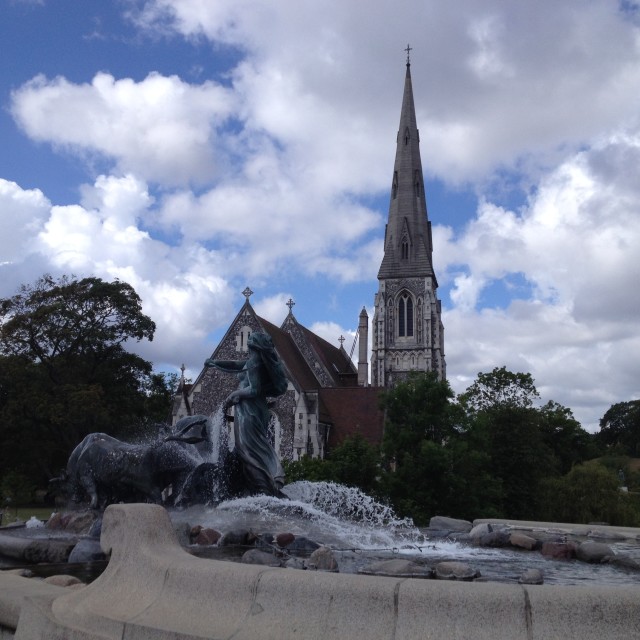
363	364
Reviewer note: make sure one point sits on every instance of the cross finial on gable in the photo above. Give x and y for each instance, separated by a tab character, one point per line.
247	293
409	50
290	304
341	340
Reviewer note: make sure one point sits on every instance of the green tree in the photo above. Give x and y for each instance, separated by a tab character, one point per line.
54	320
424	429
588	493
500	388
500	409
417	486
310	469
64	371
416	409
472	489
565	437
620	427
356	463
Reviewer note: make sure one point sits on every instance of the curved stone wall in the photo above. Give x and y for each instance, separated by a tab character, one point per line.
152	588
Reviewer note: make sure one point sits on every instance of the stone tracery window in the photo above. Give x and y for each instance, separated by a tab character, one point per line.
242	339
405	316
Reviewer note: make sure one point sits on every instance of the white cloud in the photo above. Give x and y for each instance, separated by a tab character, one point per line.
273	308
161	128
576	244
184	288
22	213
477	69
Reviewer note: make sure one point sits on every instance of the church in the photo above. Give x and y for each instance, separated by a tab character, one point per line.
330	398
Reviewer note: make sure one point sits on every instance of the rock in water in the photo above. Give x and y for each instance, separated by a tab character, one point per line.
255	556
531	576
397	568
594	552
87	550
522	541
455	571
442	523
322	559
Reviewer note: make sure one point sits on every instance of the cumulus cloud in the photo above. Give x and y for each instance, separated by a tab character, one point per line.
22	213
477	68
183	288
575	244
161	128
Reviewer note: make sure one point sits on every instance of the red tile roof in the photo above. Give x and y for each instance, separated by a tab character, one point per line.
353	410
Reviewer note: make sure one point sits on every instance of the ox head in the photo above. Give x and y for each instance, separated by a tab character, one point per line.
187	424
61	487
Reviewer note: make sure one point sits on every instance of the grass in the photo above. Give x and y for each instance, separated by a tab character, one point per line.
15	514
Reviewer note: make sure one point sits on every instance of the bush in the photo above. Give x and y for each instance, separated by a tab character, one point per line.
588	493
16	489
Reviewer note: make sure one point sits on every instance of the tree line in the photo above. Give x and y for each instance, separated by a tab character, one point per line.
491	451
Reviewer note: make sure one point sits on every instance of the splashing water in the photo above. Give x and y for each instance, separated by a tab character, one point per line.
331	514
347	503
218	436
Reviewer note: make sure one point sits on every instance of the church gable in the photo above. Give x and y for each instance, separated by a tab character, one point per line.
212	386
330	366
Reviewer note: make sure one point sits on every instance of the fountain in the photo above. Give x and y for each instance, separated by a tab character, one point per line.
154	587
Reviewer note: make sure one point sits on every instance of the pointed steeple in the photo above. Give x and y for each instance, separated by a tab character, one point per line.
407	248
407	329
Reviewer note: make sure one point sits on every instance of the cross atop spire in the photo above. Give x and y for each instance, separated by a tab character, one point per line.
341	340
409	49
247	293
290	304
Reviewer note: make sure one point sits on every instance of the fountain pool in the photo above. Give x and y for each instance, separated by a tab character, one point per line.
361	531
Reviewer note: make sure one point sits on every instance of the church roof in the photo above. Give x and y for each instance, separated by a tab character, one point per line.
330	366
335	360
290	355
408	245
353	411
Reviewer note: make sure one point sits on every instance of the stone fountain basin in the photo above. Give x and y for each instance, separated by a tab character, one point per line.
152	588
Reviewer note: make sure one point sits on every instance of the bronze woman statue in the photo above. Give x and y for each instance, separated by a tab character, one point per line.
261	375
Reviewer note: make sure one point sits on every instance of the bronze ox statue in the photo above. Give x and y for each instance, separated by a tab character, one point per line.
106	470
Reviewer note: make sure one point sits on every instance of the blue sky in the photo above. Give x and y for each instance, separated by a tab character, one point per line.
195	148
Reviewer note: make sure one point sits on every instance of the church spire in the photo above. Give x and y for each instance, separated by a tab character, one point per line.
407	248
407	330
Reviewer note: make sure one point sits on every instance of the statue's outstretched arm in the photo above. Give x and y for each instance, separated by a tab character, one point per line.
230	366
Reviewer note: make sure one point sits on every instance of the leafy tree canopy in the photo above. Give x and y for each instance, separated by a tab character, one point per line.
564	435
60	319
499	389
420	407
355	463
620	426
64	371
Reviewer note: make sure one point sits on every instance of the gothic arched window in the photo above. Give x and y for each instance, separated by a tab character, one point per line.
405	316
242	339
405	249
394	185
